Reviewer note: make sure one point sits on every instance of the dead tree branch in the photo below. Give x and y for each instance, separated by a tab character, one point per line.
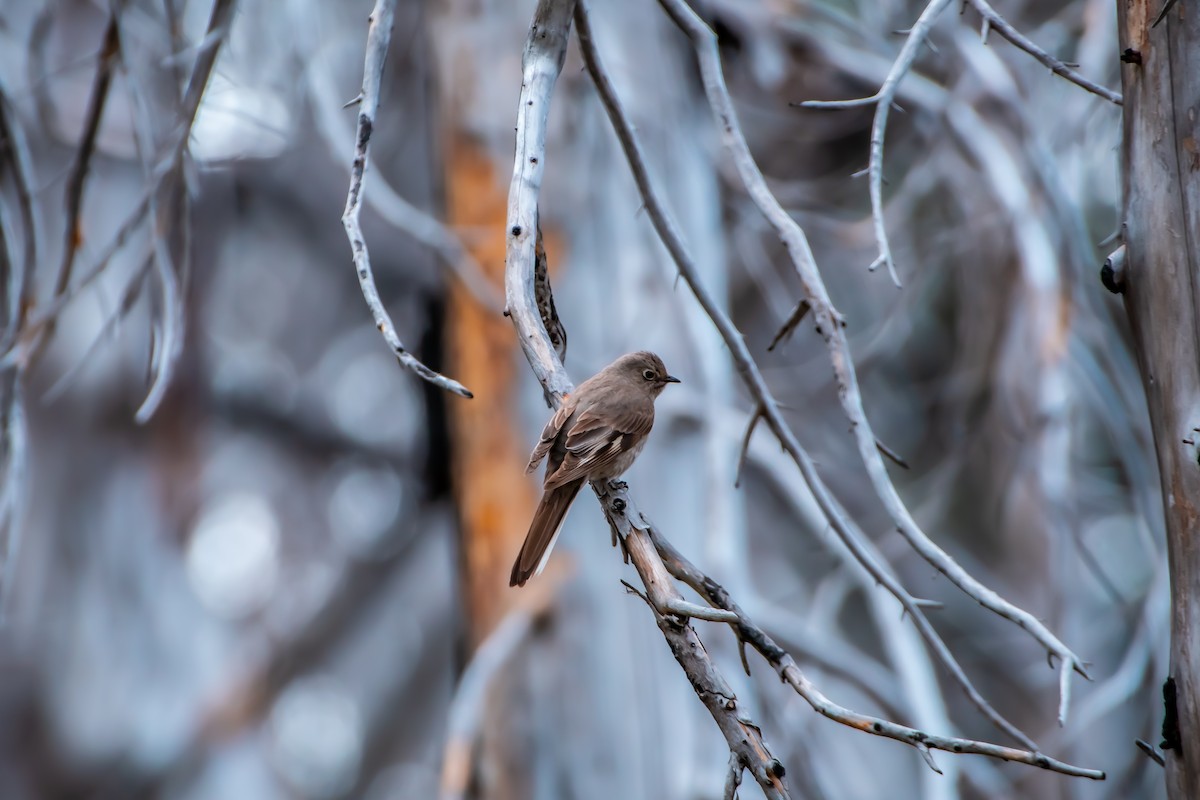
829	324
379	35
541	64
72	235
883	101
841	523
993	21
785	666
329	115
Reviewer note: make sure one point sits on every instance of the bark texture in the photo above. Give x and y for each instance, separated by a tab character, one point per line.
1161	80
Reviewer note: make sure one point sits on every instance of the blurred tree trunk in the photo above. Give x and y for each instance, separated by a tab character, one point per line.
1161	82
494	496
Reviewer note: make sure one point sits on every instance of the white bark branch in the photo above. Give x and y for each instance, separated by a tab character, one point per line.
829	323
541	63
379	34
883	101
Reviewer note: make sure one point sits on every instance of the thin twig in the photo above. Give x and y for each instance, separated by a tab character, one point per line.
785	666
864	553
883	101
992	19
169	279
741	465
733	778
829	324
379	34
743	737
789	326
77	179
14	150
129	294
892	455
72	235
390	204
12	497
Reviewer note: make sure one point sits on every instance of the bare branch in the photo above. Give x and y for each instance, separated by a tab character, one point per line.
750	426
785	666
883	101
742	735
72	235
789	326
14	150
15	447
733	779
993	20
379	34
169	278
77	180
829	324
390	204
839	521
541	64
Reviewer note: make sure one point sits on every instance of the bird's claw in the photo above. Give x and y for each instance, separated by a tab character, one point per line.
617	486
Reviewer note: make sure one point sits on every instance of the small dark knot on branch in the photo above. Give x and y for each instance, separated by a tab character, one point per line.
618	505
1170	727
1131	56
516	230
1112	274
777	768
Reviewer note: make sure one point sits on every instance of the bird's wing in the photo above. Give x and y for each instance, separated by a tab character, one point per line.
595	439
550	433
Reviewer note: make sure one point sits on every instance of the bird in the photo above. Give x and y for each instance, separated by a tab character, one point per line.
595	435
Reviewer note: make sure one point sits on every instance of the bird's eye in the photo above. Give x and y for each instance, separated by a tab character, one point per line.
648	374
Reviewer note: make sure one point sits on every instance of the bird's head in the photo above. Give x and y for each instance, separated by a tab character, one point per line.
646	370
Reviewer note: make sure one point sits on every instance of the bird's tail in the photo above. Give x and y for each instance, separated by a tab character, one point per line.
543	531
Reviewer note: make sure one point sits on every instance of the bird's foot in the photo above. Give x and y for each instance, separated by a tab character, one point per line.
617	485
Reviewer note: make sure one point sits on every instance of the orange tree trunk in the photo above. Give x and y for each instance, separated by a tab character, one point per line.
494	496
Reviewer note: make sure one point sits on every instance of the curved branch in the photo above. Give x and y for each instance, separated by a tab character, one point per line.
829	323
768	407
993	21
785	666
883	101
379	35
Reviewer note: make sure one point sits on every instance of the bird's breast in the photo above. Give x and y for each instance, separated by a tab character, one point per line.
631	447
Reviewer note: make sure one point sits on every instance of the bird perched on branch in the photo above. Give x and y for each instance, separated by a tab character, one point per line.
595	435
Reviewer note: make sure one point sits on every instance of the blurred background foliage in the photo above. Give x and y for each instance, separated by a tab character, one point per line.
275	587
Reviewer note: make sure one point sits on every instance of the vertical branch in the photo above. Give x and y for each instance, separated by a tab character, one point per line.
14	151
541	63
379	35
87	147
169	277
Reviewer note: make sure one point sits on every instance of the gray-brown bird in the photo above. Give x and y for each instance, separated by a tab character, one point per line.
595	435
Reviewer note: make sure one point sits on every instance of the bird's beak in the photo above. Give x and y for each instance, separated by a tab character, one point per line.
671	379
